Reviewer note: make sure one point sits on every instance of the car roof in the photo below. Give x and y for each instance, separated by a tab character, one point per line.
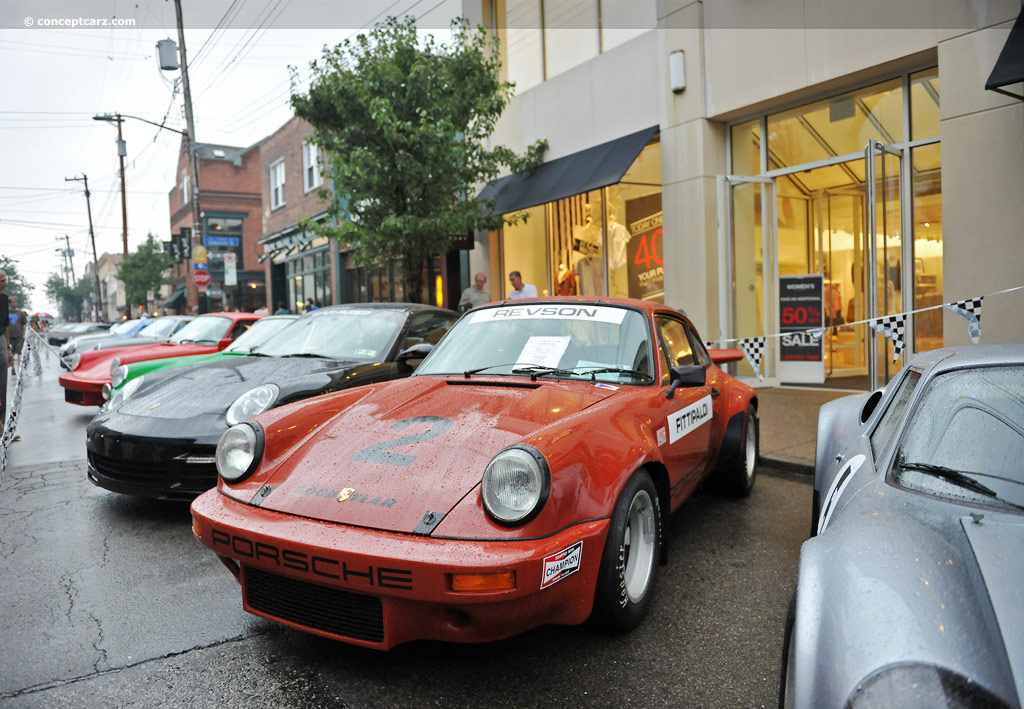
648	306
987	355
380	306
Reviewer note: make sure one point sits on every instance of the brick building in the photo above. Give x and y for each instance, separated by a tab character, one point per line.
230	203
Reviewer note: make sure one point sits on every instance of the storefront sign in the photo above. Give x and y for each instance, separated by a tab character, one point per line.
646	266
801	308
221	241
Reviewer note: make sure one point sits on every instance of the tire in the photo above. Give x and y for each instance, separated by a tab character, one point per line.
736	477
787	646
629	562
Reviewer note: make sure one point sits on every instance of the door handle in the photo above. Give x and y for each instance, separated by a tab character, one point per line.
714	393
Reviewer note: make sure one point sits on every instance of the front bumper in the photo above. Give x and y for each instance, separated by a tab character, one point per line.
83	392
380	589
151	466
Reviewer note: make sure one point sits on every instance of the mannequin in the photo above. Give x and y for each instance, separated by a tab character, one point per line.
618	239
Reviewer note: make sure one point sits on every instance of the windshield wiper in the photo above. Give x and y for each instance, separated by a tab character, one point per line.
539	370
618	370
954	476
307	354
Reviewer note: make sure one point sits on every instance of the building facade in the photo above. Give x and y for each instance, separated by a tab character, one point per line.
749	149
230	204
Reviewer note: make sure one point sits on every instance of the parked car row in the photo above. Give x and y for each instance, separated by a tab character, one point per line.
380	473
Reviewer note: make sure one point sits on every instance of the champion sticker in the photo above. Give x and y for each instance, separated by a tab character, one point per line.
662	436
689	419
561	564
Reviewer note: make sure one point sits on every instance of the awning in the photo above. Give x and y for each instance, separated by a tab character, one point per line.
1009	68
580	172
175	300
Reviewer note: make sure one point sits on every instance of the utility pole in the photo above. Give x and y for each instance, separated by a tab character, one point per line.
197	221
71	261
122	150
92	236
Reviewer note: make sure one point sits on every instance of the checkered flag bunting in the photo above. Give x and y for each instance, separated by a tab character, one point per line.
969	309
894	327
753	348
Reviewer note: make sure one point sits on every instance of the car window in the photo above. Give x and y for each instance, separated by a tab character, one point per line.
206	329
891	416
159	327
700	354
576	339
259	332
970	421
429	328
677	345
349	333
240	327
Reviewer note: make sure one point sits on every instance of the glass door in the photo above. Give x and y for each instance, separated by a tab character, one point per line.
747	271
884	180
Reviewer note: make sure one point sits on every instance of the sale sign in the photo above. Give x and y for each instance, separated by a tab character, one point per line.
646	262
800	310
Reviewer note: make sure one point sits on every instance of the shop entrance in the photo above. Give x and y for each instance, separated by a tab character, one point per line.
838	218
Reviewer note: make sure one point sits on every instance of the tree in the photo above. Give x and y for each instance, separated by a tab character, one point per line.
143	270
404	125
16	285
69	299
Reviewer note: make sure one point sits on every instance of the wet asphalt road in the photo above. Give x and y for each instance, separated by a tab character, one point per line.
107	600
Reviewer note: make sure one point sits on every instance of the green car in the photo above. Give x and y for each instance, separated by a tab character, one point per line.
258	333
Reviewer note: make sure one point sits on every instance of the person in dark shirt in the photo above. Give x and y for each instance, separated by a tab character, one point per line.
5	349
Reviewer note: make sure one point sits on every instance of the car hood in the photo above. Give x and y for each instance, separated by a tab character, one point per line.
415	446
209	388
908	577
118	341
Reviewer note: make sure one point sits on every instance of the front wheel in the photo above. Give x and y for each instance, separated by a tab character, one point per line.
629	563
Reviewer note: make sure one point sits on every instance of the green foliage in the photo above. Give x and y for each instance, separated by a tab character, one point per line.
16	285
144	270
72	301
404	124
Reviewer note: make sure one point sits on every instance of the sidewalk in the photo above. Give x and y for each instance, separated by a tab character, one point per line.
789	424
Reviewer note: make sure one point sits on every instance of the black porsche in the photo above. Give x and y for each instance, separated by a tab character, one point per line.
159	439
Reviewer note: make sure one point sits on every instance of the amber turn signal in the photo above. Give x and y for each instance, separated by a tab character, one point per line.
504	581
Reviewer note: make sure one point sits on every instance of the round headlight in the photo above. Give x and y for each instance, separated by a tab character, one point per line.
118	376
516	484
239	451
114	364
74	361
255	401
67	348
119	396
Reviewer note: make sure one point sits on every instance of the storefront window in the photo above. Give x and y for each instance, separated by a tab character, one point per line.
836	126
524	249
927	189
746	148
309	279
602	242
924	104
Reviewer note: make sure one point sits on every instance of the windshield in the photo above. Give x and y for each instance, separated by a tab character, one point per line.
122	328
970	422
339	334
578	339
260	331
159	327
206	330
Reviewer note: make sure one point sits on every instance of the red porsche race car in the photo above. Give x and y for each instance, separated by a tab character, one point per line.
92	370
522	476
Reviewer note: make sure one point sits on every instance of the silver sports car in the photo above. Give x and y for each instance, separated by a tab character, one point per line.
911	589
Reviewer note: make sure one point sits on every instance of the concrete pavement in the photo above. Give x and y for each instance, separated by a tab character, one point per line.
789	424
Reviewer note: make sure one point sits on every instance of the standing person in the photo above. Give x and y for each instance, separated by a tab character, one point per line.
16	330
281	310
522	290
262	310
6	355
475	295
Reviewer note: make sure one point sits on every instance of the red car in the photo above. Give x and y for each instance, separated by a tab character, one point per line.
522	476
91	370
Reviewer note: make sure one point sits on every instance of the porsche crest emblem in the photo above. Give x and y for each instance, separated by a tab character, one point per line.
346	493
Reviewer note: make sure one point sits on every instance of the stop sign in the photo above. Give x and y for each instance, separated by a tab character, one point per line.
201	278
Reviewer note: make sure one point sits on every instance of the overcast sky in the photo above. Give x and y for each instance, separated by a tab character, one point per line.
53	80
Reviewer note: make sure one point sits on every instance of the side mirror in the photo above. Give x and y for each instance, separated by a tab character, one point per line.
223	343
416	352
689	375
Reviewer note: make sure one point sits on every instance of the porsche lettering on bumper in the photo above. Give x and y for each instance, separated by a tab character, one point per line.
322	566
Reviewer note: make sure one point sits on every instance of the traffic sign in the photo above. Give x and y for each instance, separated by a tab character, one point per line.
199	254
201	278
